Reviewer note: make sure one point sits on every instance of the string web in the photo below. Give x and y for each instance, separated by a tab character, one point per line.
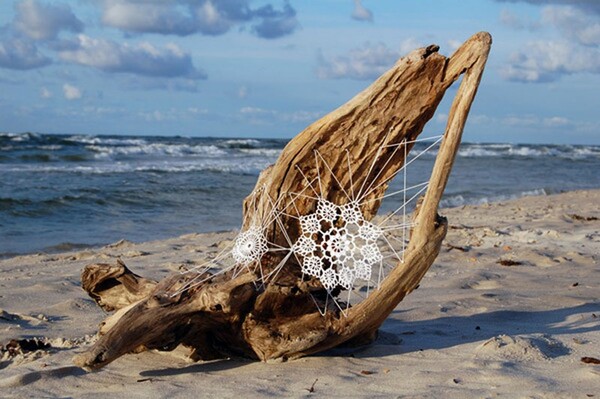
349	255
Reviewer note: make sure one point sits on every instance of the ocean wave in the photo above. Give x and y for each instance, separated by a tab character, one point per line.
156	149
111	141
20	137
240	143
39	207
469	150
476	152
460	200
267	152
222	165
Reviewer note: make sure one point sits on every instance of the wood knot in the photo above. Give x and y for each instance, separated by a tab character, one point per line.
432	48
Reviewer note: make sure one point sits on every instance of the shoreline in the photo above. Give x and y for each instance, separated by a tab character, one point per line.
69	247
509	308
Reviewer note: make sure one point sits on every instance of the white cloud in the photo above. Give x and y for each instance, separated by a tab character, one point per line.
21	54
42	21
574	24
135	16
363	63
589	5
142	59
511	19
480	119
526	121
549	60
197	111
521	120
256	111
410	44
209	17
45	93
262	116
302	116
273	23
546	61
71	92
173	114
139	82
556	121
210	21
361	13
514	21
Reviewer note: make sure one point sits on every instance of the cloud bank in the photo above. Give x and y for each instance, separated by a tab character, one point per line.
590	5
577	51
207	17
20	54
40	21
141	59
363	63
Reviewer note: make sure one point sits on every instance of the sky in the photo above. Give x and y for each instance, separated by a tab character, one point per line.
245	68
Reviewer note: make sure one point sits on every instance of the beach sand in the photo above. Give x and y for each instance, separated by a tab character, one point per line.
509	309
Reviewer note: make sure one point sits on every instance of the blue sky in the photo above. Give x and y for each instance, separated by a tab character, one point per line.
245	68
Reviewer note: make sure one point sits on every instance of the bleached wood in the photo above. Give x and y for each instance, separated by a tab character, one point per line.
224	315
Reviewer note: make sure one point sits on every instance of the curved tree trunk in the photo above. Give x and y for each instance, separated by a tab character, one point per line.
226	314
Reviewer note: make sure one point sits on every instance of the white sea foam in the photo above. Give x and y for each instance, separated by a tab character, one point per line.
241	143
94	140
225	165
21	136
468	150
156	149
477	151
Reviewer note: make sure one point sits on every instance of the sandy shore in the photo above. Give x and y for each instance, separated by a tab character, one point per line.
509	309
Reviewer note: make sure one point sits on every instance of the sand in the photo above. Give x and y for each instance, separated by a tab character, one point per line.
509	309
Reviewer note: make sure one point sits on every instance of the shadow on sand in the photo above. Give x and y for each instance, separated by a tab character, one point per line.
398	336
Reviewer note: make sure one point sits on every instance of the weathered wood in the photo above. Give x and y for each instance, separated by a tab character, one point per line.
225	315
114	286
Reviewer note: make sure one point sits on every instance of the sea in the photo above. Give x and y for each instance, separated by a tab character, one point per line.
66	192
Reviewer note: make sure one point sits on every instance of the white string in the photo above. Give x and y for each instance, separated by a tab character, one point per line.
348	246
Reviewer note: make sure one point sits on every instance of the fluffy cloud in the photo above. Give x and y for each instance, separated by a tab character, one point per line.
71	92
546	61
363	63
361	13
44	21
209	17
274	23
16	53
143	59
512	20
163	18
574	24
262	116
590	5
525	121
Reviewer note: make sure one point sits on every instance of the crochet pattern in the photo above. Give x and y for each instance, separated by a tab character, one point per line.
250	246
337	245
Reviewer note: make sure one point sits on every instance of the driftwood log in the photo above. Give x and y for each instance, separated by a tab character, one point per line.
227	315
